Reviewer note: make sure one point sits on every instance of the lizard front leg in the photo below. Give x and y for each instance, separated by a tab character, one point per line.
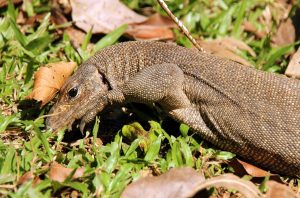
161	84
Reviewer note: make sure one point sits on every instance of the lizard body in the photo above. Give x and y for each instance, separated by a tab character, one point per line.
240	109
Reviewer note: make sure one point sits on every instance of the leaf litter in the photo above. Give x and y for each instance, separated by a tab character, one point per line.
227	48
186	182
102	16
49	79
156	29
293	68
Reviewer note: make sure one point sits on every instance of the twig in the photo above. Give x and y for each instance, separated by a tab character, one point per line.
180	24
7	186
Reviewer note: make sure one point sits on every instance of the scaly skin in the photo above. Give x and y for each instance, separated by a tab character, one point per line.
248	112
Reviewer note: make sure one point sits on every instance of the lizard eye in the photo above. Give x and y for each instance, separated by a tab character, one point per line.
72	93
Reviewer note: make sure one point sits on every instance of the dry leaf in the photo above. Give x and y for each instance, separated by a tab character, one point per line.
249	27
104	16
65	5
242	168
253	170
277	190
293	69
276	12
186	182
146	173
156	27
266	19
235	45
226	48
230	181
25	178
4	3
177	182
57	17
49	79
76	36
280	10
286	33
59	173
27	23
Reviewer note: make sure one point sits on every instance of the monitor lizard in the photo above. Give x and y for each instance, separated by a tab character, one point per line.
251	113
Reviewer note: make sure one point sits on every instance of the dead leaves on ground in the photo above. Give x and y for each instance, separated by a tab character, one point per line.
278	12
242	168
105	20
174	183
293	69
228	48
277	190
56	172
60	173
186	182
156	27
177	182
104	16
286	33
4	3
49	79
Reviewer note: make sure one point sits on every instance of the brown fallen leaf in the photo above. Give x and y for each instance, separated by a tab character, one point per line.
286	33
249	27
25	178
235	45
65	5
49	79
266	19
276	12
226	48
57	17
59	173
4	3
230	181
281	9
156	27
177	182
293	68
104	16
242	168
186	182
253	170
146	173
26	22
277	190
76	36
28	176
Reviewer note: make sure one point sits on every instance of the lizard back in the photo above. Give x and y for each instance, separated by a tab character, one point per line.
252	113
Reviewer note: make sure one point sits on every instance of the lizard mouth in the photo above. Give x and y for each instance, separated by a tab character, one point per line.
57	124
58	119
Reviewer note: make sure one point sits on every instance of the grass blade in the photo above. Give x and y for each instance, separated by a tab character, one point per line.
111	38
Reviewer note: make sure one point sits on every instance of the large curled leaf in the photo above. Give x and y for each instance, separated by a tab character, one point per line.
175	183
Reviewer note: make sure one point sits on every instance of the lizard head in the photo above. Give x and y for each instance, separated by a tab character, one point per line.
77	97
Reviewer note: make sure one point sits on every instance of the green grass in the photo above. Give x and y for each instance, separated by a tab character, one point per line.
26	146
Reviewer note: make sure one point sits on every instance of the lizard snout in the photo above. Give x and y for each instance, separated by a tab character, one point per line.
51	124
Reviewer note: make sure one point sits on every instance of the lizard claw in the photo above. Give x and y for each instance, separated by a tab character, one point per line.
82	125
86	119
